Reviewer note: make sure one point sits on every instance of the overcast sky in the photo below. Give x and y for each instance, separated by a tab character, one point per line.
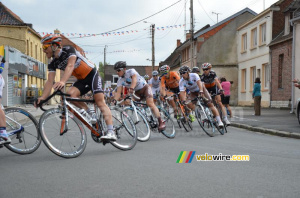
99	16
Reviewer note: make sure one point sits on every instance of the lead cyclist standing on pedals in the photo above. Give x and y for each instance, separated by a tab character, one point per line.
69	60
136	83
213	86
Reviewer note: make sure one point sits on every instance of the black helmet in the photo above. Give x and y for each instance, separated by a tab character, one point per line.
119	65
184	69
195	70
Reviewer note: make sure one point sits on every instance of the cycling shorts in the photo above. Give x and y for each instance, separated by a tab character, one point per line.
92	82
213	90
144	93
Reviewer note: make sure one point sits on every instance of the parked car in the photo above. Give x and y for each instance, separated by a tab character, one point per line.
298	110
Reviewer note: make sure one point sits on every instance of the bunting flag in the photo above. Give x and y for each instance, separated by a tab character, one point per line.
115	51
106	34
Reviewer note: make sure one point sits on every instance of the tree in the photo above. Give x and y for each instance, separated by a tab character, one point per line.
101	70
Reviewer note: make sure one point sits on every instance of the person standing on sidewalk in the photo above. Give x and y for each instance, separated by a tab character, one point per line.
226	96
4	138
256	94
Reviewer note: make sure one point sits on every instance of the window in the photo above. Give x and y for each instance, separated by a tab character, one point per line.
115	79
244	43
263	34
265	79
244	80
254	38
280	65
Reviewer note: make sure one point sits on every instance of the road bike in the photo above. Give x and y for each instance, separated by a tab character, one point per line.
223	129
204	116
142	114
181	116
22	128
63	133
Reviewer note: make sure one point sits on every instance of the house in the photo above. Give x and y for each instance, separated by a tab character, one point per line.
210	46
111	77
25	65
253	39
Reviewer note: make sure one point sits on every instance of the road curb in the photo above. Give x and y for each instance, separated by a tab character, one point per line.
267	131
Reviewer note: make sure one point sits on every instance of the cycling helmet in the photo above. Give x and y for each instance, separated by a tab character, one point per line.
206	66
146	77
154	73
195	70
119	65
164	69
51	38
184	69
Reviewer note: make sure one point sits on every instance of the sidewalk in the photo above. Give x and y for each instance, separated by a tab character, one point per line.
272	121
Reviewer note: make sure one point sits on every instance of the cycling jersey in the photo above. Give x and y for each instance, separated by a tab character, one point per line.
171	82
210	79
190	84
126	80
154	83
82	66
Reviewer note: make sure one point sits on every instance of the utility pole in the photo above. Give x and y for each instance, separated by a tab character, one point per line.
192	34
217	15
104	56
153	49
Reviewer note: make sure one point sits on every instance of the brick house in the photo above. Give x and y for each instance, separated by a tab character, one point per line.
110	74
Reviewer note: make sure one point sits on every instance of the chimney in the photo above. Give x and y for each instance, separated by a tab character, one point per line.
56	31
178	42
188	36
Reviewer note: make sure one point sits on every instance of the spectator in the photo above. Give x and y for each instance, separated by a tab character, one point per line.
256	94
226	96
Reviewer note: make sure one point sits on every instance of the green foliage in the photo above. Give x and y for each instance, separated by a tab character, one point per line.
101	70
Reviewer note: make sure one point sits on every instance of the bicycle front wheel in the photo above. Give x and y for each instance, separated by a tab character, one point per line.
124	128
70	144
22	128
141	124
205	122
169	131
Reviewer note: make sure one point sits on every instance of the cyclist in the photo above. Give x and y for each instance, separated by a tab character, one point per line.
154	83
170	81
146	77
193	82
213	86
196	70
73	63
4	138
134	82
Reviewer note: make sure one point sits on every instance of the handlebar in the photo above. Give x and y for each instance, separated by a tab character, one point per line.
57	92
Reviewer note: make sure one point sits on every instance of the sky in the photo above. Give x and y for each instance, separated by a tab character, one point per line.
128	22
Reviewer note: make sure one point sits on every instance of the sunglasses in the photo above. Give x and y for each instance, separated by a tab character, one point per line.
183	73
46	46
118	70
205	69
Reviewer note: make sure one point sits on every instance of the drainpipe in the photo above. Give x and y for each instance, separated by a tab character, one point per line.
293	67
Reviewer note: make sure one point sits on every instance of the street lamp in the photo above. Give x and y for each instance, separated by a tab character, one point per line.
152	26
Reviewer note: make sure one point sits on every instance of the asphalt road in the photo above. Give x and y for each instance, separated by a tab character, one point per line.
150	169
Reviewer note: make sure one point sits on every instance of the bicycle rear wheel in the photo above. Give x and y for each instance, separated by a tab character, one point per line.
142	126
70	144
22	127
124	128
205	121
169	131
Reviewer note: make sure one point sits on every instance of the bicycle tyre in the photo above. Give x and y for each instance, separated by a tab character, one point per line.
69	145
184	120
169	131
142	127
28	139
208	123
124	128
220	129
201	117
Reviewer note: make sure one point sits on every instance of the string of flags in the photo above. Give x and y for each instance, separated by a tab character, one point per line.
115	51
119	33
